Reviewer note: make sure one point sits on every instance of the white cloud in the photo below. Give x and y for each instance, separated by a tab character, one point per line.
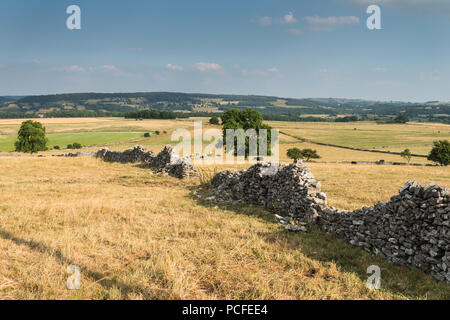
295	32
319	24
174	67
380	70
109	68
273	71
105	68
421	6
289	18
115	71
286	19
72	68
265	21
433	75
207	66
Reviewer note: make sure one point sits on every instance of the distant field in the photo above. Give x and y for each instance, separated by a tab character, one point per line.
91	131
123	133
418	137
85	138
52	125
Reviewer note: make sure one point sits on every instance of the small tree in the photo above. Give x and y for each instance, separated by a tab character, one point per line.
214	121
157	132
295	154
147	135
235	119
406	154
401	118
310	154
31	137
77	145
440	153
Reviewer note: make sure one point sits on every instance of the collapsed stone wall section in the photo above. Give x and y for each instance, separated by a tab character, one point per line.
166	162
411	229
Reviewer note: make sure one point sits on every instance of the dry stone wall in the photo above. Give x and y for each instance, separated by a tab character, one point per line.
135	155
166	162
412	229
291	189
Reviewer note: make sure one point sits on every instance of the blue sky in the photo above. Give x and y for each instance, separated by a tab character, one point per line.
288	48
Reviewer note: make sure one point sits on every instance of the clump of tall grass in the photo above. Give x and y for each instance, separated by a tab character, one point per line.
206	175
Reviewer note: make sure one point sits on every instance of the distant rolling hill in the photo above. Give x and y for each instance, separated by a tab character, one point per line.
274	108
10	98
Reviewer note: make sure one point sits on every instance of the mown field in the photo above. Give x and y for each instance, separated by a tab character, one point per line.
139	235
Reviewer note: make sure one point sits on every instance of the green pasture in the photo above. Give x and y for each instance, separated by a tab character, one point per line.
85	138
418	138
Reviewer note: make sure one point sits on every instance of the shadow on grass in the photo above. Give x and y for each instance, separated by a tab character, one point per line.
97	277
327	248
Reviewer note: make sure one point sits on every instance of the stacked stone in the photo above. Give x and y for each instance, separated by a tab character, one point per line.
412	229
290	189
165	162
297	193
228	186
164	159
135	155
168	162
183	170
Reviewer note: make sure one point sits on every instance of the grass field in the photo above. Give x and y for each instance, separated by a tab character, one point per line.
142	236
85	138
91	131
138	235
418	137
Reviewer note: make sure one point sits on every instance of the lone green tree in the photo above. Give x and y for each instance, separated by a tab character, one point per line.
406	154
214	121
248	119
440	153
31	137
295	154
310	154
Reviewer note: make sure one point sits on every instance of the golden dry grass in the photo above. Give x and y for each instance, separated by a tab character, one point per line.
142	236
